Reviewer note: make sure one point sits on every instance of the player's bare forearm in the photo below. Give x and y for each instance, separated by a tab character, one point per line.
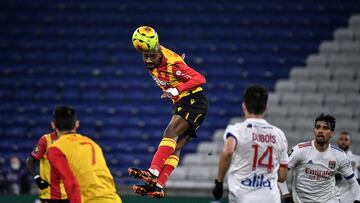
30	164
282	173
226	157
225	161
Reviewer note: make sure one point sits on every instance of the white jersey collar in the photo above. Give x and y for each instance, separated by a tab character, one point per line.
257	120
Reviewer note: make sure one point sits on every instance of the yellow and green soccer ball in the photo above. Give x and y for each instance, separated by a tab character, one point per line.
145	39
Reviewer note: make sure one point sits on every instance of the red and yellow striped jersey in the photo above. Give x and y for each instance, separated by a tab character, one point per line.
173	72
56	191
80	163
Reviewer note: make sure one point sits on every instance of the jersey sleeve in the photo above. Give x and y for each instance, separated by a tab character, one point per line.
284	158
40	148
345	167
231	132
189	76
61	167
294	157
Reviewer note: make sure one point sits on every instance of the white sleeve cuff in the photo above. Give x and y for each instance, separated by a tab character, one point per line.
173	91
283	188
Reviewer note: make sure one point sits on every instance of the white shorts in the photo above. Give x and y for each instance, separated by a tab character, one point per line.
258	196
333	200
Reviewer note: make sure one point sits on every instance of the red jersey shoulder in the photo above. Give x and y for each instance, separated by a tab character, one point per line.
304	144
40	148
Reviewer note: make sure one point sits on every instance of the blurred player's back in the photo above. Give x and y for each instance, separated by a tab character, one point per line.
261	148
87	162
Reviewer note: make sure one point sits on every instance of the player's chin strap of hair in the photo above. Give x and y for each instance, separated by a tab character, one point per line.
283	188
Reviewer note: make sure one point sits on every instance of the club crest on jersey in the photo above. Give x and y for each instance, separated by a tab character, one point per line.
36	150
257	182
332	164
290	152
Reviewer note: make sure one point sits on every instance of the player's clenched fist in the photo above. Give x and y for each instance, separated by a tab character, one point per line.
218	190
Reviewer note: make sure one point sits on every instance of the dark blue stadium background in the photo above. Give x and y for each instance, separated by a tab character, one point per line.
80	53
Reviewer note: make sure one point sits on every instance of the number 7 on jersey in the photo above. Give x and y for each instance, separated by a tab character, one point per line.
93	162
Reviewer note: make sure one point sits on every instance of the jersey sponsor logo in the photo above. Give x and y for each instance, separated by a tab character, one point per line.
178	73
264	138
332	164
257	182
160	82
316	174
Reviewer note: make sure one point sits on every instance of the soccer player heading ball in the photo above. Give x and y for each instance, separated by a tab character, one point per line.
182	85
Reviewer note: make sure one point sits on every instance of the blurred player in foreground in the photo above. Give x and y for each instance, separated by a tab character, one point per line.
344	142
51	187
255	153
79	162
182	85
315	164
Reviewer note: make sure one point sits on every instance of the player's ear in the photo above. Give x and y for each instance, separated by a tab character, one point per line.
266	108
77	124
244	107
53	125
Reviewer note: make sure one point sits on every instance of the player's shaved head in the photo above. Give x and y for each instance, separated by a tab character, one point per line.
255	98
344	141
64	118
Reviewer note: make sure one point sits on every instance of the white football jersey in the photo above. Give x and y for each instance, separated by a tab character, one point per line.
314	179
343	185
260	150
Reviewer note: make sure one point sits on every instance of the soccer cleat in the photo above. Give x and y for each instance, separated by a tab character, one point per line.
147	190
144	175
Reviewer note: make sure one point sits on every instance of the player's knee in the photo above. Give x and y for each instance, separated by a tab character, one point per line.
170	133
177	151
